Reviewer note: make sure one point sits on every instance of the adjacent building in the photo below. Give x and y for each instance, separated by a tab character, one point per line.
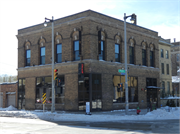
93	42
165	67
8	94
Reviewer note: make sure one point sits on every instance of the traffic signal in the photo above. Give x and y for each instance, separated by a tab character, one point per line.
120	87
55	74
59	82
81	68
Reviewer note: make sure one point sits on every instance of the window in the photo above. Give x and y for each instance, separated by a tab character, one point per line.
59	53
168	87
163	90
101	56
131	55
162	55
167	67
151	59
76	50
117	53
143	57
177	57
167	55
21	94
44	85
162	68
119	94
42	60
28	57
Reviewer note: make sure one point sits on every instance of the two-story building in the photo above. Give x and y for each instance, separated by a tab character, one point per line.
97	41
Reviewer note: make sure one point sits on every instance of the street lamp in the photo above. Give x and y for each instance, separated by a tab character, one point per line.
125	55
53	91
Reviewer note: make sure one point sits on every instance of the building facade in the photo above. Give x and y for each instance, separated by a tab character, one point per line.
97	42
165	67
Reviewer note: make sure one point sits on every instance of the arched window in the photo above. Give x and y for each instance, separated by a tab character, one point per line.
101	45
76	45
131	51
151	55
117	48
28	54
144	54
58	40
42	51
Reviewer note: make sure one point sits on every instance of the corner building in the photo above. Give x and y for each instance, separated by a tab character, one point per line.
97	41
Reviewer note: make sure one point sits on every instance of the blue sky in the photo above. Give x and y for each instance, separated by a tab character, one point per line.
162	16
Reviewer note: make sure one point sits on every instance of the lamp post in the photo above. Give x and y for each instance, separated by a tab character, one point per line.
53	91
125	55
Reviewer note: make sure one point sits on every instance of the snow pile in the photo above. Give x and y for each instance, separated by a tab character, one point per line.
116	115
10	108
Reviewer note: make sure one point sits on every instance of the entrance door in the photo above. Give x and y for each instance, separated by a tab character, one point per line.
152	98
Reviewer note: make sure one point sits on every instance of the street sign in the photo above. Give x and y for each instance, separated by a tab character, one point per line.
121	71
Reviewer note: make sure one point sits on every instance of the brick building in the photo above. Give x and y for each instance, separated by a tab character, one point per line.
97	40
165	67
8	94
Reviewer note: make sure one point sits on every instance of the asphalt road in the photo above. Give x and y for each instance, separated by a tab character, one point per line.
35	126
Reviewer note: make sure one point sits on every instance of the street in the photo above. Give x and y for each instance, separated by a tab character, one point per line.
9	125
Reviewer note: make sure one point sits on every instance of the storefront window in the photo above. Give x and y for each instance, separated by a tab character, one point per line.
44	85
119	95
21	94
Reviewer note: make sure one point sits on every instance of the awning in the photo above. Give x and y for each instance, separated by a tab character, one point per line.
155	87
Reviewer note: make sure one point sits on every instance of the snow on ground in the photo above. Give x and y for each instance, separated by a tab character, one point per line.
116	115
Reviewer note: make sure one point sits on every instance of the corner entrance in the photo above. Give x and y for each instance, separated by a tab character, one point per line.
152	98
89	90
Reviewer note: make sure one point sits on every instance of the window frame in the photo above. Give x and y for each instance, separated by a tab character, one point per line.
144	59
167	69
162	68
74	51
41	63
102	51
167	54
117	53
162	53
152	59
131	57
28	64
57	54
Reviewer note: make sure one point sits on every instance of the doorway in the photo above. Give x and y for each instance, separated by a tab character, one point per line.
152	98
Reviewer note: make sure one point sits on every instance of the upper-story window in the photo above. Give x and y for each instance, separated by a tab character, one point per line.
76	44
28	57
131	52
167	68
76	50
59	53
162	53
42	56
27	48
167	54
117	48
162	68
117	53
144	54
151	55
177	57
101	45
58	41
